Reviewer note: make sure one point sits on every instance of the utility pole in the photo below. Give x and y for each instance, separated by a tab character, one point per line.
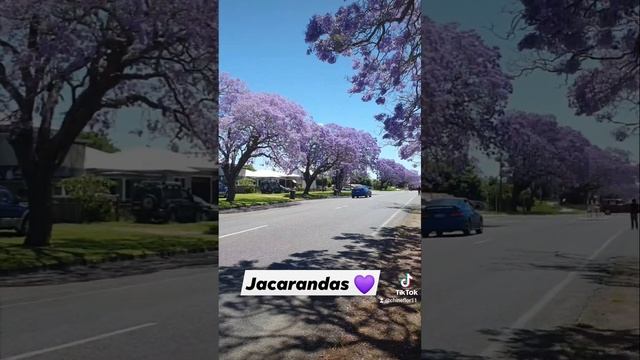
499	195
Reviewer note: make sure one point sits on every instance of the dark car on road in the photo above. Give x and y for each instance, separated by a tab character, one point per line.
448	215
360	191
164	202
612	206
13	214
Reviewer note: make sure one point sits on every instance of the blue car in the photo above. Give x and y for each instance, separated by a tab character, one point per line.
360	191
448	215
222	189
13	215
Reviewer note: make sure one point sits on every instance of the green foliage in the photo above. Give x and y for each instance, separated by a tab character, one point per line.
246	186
92	192
461	184
490	191
98	141
213	229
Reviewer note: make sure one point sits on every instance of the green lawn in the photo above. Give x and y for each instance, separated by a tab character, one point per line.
256	199
99	242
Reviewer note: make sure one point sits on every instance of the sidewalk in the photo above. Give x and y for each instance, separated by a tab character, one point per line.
388	326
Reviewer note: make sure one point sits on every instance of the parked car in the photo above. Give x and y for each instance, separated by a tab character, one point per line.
13	214
164	202
272	187
223	190
207	210
360	191
450	214
611	206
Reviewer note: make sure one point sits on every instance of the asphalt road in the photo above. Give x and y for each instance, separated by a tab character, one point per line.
169	314
507	291
318	234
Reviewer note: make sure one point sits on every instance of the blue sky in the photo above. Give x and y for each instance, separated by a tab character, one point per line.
262	43
539	92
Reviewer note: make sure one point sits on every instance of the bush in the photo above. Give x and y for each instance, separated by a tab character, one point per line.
242	189
92	192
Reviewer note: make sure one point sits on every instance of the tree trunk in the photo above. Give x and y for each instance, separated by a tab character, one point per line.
308	180
40	209
231	189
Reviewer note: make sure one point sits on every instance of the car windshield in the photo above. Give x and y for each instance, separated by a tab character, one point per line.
445	202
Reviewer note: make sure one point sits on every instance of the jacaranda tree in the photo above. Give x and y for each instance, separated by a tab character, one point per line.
544	156
392	173
68	64
256	125
327	147
383	39
596	44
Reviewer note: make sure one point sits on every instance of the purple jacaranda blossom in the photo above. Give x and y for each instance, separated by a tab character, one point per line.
258	125
383	39
596	44
323	148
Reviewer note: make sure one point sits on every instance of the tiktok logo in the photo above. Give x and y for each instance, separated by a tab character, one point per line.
405	282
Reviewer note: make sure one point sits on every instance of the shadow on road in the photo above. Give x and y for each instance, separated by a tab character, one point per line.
438	354
359	324
572	342
618	271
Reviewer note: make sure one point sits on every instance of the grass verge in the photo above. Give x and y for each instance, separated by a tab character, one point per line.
257	199
83	244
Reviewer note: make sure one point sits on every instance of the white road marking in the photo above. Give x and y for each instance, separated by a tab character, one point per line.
76	343
342	207
491	350
375	233
243	231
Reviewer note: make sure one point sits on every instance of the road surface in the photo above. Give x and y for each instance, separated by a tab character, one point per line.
517	288
336	233
168	314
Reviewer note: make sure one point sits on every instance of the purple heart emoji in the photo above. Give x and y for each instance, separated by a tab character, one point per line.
364	283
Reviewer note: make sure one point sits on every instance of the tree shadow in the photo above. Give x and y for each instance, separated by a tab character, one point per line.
580	341
338	322
620	271
439	354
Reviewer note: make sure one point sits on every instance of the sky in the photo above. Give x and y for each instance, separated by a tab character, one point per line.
262	43
539	92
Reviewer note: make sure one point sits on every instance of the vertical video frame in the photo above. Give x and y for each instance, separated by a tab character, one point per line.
530	179
108	223
319	166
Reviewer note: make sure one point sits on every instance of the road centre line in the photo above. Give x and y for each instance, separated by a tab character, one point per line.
243	231
375	233
77	342
490	351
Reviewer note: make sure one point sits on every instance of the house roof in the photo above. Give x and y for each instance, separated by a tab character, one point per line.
144	160
261	173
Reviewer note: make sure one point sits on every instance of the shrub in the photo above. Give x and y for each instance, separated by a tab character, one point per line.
242	189
92	192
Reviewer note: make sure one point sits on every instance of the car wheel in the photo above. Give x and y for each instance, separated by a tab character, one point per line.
467	230
439	233
353	197
172	216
